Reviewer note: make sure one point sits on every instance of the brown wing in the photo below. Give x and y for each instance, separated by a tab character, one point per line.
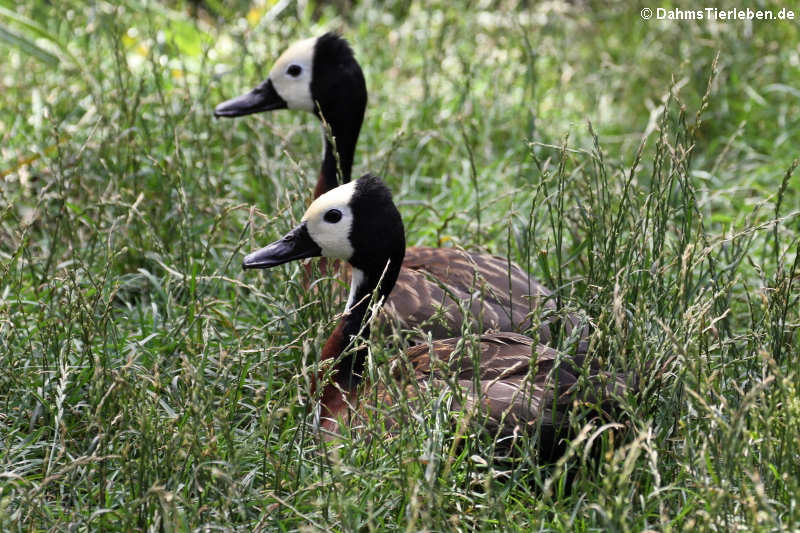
507	384
436	283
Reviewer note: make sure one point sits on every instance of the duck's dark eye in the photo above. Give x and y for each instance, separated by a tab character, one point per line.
294	70
333	216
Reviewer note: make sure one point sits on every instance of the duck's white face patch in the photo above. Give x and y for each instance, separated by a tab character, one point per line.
329	220
291	75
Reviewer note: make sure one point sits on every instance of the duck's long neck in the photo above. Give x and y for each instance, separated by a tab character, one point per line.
349	369
341	136
348	372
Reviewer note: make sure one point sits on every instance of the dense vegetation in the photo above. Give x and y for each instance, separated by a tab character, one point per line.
642	169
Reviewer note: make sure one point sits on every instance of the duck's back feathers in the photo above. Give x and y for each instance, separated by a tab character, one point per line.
437	284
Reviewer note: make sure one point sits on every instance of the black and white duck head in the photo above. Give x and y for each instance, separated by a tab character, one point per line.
319	75
356	222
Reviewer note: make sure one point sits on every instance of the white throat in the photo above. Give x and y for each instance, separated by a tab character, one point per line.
357	279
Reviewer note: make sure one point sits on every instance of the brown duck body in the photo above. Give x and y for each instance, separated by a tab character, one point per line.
438	289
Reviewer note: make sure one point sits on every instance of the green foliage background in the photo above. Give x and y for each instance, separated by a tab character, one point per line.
147	384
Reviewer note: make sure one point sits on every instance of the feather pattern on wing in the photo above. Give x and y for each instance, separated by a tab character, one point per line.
436	285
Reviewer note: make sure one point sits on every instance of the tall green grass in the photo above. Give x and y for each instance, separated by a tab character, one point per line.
643	170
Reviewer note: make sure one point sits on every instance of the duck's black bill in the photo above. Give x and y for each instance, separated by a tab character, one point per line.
297	244
262	98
